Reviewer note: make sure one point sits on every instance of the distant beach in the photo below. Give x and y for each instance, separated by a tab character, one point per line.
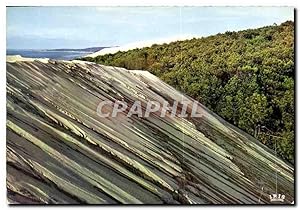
59	54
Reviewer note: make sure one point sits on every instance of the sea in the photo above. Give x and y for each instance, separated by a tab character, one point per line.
52	54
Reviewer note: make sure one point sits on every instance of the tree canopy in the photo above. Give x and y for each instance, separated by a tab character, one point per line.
247	77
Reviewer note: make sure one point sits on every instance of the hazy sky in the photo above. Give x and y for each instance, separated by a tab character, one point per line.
79	27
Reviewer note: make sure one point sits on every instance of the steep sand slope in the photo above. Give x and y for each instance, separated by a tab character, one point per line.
60	151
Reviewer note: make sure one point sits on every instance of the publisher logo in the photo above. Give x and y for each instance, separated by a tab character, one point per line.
277	198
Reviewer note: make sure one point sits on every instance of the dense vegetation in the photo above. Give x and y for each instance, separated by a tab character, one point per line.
247	77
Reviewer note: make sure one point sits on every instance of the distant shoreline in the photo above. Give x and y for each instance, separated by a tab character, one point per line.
59	54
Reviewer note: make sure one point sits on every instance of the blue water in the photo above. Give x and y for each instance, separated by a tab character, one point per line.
53	54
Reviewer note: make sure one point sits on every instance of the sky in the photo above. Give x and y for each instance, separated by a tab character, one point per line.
81	27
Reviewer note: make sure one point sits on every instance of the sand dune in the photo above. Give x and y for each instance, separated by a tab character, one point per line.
140	44
59	150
